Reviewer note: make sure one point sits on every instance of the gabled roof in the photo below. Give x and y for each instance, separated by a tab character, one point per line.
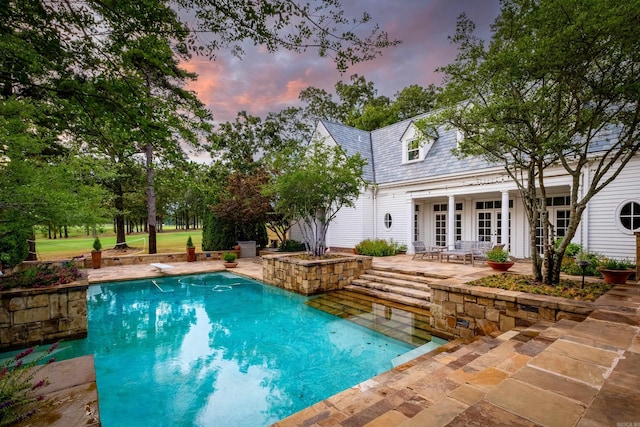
353	141
383	150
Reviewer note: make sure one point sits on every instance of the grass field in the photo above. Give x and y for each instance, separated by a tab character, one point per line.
78	244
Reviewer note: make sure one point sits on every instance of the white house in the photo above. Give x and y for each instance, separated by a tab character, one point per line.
424	192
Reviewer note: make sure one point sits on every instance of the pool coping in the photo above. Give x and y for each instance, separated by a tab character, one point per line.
71	398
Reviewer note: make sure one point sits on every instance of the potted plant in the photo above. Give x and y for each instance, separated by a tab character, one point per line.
191	250
96	253
498	259
229	259
615	270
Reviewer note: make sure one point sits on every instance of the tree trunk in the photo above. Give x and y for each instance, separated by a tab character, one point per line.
31	255
151	200
121	240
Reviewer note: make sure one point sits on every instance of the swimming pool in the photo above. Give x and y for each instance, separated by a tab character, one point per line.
219	350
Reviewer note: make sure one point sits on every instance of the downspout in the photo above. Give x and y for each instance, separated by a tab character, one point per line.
374	194
374	191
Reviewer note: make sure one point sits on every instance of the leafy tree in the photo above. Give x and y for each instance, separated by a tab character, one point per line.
314	184
359	106
40	181
72	58
414	100
557	79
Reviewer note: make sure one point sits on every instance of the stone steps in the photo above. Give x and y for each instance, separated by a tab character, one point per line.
407	324
409	288
409	272
401	297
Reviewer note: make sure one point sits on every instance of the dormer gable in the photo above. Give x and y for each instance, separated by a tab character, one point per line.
415	144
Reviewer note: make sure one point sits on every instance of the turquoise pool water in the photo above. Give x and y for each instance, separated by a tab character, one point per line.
219	350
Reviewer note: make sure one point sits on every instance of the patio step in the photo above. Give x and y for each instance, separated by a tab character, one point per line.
410	272
404	323
402	276
403	288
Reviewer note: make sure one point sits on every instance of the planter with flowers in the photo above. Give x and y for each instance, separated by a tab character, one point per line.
498	259
615	271
229	259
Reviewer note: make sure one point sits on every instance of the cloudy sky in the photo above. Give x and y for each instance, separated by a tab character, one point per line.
262	82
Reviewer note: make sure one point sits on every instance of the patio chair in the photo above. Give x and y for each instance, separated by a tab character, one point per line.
421	249
418	249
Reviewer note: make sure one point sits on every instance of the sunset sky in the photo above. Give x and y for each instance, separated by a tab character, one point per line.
262	82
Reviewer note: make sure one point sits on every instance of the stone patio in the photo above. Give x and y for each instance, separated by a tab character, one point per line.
553	374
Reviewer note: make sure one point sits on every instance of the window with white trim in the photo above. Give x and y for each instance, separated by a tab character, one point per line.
388	221
629	216
413	150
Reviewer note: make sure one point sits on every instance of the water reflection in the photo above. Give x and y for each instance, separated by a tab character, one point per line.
188	353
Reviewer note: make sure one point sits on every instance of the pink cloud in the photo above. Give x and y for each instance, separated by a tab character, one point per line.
263	82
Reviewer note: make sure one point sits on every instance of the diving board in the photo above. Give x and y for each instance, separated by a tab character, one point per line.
162	268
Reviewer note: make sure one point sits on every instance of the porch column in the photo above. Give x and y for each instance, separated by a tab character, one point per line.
451	222
504	223
410	213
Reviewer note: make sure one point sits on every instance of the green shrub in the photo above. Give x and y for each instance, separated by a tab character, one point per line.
572	249
190	243
615	264
229	256
498	255
570	265
13	243
97	245
377	247
290	246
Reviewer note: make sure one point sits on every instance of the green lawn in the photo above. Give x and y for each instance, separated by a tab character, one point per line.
167	242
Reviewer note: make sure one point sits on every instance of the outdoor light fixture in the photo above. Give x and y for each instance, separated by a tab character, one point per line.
583	265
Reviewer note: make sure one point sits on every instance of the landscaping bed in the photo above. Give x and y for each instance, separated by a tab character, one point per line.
565	289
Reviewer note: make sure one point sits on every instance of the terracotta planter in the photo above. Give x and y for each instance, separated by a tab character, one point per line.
96	258
230	264
616	276
191	254
500	266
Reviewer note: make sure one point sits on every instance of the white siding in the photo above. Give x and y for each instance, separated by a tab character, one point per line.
604	234
351	225
393	202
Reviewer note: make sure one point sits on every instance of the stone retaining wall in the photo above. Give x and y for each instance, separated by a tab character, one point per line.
42	315
309	277
463	311
149	258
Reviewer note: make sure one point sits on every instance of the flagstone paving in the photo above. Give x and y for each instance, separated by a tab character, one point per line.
552	374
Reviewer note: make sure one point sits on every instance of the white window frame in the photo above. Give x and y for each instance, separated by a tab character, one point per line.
413	146
387	221
619	212
413	136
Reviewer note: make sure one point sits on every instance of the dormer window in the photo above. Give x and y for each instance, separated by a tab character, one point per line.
413	150
415	145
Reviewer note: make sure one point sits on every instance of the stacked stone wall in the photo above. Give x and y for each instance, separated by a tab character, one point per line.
43	315
462	311
309	277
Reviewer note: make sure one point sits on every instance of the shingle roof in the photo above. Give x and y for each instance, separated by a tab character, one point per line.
353	141
383	150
